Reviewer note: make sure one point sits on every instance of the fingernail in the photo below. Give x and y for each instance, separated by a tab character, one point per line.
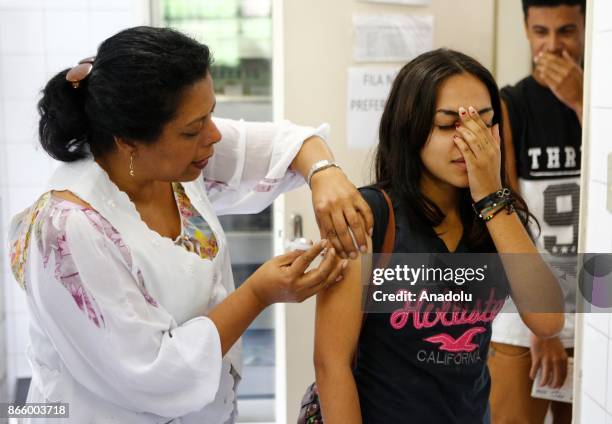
353	255
339	278
472	110
344	264
332	251
462	111
371	231
363	249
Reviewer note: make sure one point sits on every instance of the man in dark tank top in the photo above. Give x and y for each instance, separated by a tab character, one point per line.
542	118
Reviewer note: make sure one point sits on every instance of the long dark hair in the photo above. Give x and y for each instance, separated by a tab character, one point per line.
405	126
134	88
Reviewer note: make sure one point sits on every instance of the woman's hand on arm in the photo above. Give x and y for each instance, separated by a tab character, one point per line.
535	290
338	206
281	279
337	328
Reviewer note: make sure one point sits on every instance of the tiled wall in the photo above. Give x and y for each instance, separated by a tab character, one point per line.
38	38
596	354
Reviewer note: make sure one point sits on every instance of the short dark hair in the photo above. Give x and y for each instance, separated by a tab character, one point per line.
134	89
405	126
552	3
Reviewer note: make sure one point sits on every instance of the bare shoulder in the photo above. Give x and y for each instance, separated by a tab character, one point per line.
70	197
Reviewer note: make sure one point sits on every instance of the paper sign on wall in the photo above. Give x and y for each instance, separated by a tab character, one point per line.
368	89
391	38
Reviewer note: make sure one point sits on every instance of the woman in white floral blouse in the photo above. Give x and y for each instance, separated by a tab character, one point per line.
134	316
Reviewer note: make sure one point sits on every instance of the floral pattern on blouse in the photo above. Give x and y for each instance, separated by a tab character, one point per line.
18	253
106	229
196	235
47	219
54	242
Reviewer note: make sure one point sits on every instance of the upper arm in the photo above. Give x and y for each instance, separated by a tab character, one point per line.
510	155
339	315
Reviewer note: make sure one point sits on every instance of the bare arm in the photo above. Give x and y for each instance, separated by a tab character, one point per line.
522	262
535	290
234	315
313	149
512	175
281	279
337	328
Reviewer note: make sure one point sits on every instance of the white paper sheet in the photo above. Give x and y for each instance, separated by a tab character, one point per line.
392	38
562	394
407	2
368	89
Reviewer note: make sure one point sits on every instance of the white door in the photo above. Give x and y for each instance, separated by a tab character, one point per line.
593	351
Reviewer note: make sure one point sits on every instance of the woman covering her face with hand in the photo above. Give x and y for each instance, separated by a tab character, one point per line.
134	316
439	159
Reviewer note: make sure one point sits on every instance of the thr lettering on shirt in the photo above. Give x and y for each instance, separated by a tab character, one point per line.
552	157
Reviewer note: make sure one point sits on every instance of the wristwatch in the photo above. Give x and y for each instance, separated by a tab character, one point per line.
320	166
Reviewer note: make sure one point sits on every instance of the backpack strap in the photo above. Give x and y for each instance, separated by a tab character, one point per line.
389	240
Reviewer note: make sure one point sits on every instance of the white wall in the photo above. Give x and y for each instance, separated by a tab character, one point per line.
39	38
512	53
594	335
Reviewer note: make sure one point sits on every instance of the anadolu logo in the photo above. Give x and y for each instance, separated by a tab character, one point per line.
595	279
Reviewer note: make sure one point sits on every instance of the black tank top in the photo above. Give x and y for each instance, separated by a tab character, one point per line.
545	132
547	138
429	370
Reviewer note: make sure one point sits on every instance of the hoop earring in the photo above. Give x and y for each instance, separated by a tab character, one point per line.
132	165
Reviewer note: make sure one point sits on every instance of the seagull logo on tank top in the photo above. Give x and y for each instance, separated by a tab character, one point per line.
461	344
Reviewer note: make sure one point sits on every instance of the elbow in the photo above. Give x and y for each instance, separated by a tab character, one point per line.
321	365
326	366
546	325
